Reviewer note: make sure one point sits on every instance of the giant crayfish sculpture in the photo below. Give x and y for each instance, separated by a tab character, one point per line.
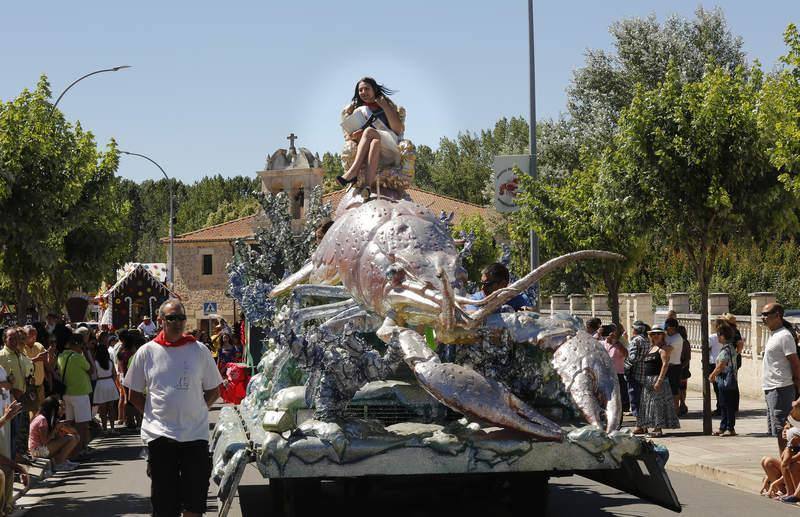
397	261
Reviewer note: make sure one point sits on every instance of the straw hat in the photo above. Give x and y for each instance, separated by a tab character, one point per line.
729	318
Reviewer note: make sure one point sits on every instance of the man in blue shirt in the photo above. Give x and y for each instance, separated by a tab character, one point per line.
493	277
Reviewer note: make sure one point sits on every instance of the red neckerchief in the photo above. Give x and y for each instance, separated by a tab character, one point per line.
185	339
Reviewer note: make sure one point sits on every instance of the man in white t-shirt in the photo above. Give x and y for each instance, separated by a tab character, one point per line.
147	327
675	340
781	371
181	381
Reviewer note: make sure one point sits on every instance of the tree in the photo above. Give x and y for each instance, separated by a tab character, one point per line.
569	213
423	168
484	247
52	174
332	165
230	210
606	84
206	196
780	113
689	162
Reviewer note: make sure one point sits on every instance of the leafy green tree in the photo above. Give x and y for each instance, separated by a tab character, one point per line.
151	197
423	167
689	162
230	210
332	165
461	168
643	48
484	248
780	113
52	176
569	213
206	196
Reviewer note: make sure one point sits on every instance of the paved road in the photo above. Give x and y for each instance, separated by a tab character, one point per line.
568	496
114	484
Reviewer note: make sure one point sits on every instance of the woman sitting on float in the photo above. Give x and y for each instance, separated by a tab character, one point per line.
378	137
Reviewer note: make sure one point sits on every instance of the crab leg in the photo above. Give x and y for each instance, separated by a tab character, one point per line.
286	285
465	390
319	312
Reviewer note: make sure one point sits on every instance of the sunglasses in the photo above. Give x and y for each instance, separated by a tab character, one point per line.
768	314
175	317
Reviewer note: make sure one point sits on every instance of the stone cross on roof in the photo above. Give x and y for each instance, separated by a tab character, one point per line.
291	138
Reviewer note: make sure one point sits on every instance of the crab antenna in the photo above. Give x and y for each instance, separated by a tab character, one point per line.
501	296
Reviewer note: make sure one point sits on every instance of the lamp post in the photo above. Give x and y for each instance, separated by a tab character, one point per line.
171	268
533	237
79	79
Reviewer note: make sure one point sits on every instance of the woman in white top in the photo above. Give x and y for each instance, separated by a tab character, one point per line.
379	138
105	391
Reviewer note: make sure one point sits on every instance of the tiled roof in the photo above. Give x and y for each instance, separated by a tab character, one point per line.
244	227
241	228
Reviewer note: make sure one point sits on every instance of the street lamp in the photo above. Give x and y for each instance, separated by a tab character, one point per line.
532	126
171	269
79	79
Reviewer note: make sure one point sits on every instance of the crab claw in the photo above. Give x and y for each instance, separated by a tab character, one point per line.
468	392
465	390
586	370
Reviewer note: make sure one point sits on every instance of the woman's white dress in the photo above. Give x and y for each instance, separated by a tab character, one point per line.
390	152
105	390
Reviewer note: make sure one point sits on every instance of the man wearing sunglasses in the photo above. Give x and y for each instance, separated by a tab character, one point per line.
493	277
781	370
181	381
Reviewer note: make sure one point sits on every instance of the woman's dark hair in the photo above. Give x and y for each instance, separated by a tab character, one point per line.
49	409
379	89
131	339
725	330
607	330
63	334
76	339
41	332
788	326
102	356
593	324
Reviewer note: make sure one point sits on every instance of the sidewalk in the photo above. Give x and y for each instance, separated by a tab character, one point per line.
733	461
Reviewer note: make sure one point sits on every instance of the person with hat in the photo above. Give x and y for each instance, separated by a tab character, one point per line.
657	408
634	367
147	327
781	371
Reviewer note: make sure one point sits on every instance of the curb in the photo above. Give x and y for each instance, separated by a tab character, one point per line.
731	478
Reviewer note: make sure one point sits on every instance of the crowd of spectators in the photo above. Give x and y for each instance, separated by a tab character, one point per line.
61	385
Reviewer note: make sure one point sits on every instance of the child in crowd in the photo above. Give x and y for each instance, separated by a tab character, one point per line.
782	476
44	440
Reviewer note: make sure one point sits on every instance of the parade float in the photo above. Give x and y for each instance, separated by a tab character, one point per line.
350	385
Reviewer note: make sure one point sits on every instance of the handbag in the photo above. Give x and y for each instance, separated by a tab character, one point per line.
60	385
726	381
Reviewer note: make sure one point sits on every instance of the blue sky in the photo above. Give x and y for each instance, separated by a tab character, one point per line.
216	87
